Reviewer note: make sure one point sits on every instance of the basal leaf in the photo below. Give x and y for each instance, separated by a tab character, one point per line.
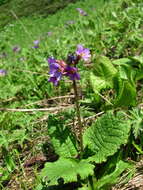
103	74
126	93
127	72
98	83
67	169
130	68
138	59
124	85
62	139
104	68
112	178
139	74
122	61
137	122
106	135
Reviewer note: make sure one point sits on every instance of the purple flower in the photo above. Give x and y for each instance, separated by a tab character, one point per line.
51	60
57	69
36	44
16	48
2	72
70	22
49	33
83	53
72	73
71	59
82	12
55	78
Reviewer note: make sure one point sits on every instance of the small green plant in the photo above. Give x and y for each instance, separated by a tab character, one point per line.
88	141
101	140
80	152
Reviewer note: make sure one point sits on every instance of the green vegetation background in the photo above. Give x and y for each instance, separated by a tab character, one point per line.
112	28
27	8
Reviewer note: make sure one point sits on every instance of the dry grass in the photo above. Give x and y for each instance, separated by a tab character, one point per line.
136	183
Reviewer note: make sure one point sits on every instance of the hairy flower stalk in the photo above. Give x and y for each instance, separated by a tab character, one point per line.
60	68
78	116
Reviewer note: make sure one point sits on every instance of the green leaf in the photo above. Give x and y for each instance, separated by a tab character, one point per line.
99	83
124	84
62	139
138	148
102	76
4	174
39	187
138	59
126	93
113	177
137	122
68	169
128	73
126	67
139	74
122	79
104	72
106	135
18	135
10	164
104	68
121	61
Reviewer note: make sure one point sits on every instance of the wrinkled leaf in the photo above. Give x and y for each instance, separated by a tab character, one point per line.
112	178
67	169
62	139
106	135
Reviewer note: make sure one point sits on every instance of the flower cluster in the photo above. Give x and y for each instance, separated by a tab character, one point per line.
81	11
2	72
16	48
60	68
83	53
36	44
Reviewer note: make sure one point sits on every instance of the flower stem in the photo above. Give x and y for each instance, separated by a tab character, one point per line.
78	116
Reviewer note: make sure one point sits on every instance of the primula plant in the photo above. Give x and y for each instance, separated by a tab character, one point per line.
50	137
79	153
68	68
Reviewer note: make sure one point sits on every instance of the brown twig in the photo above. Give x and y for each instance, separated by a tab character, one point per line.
86	118
50	99
32	72
35	110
